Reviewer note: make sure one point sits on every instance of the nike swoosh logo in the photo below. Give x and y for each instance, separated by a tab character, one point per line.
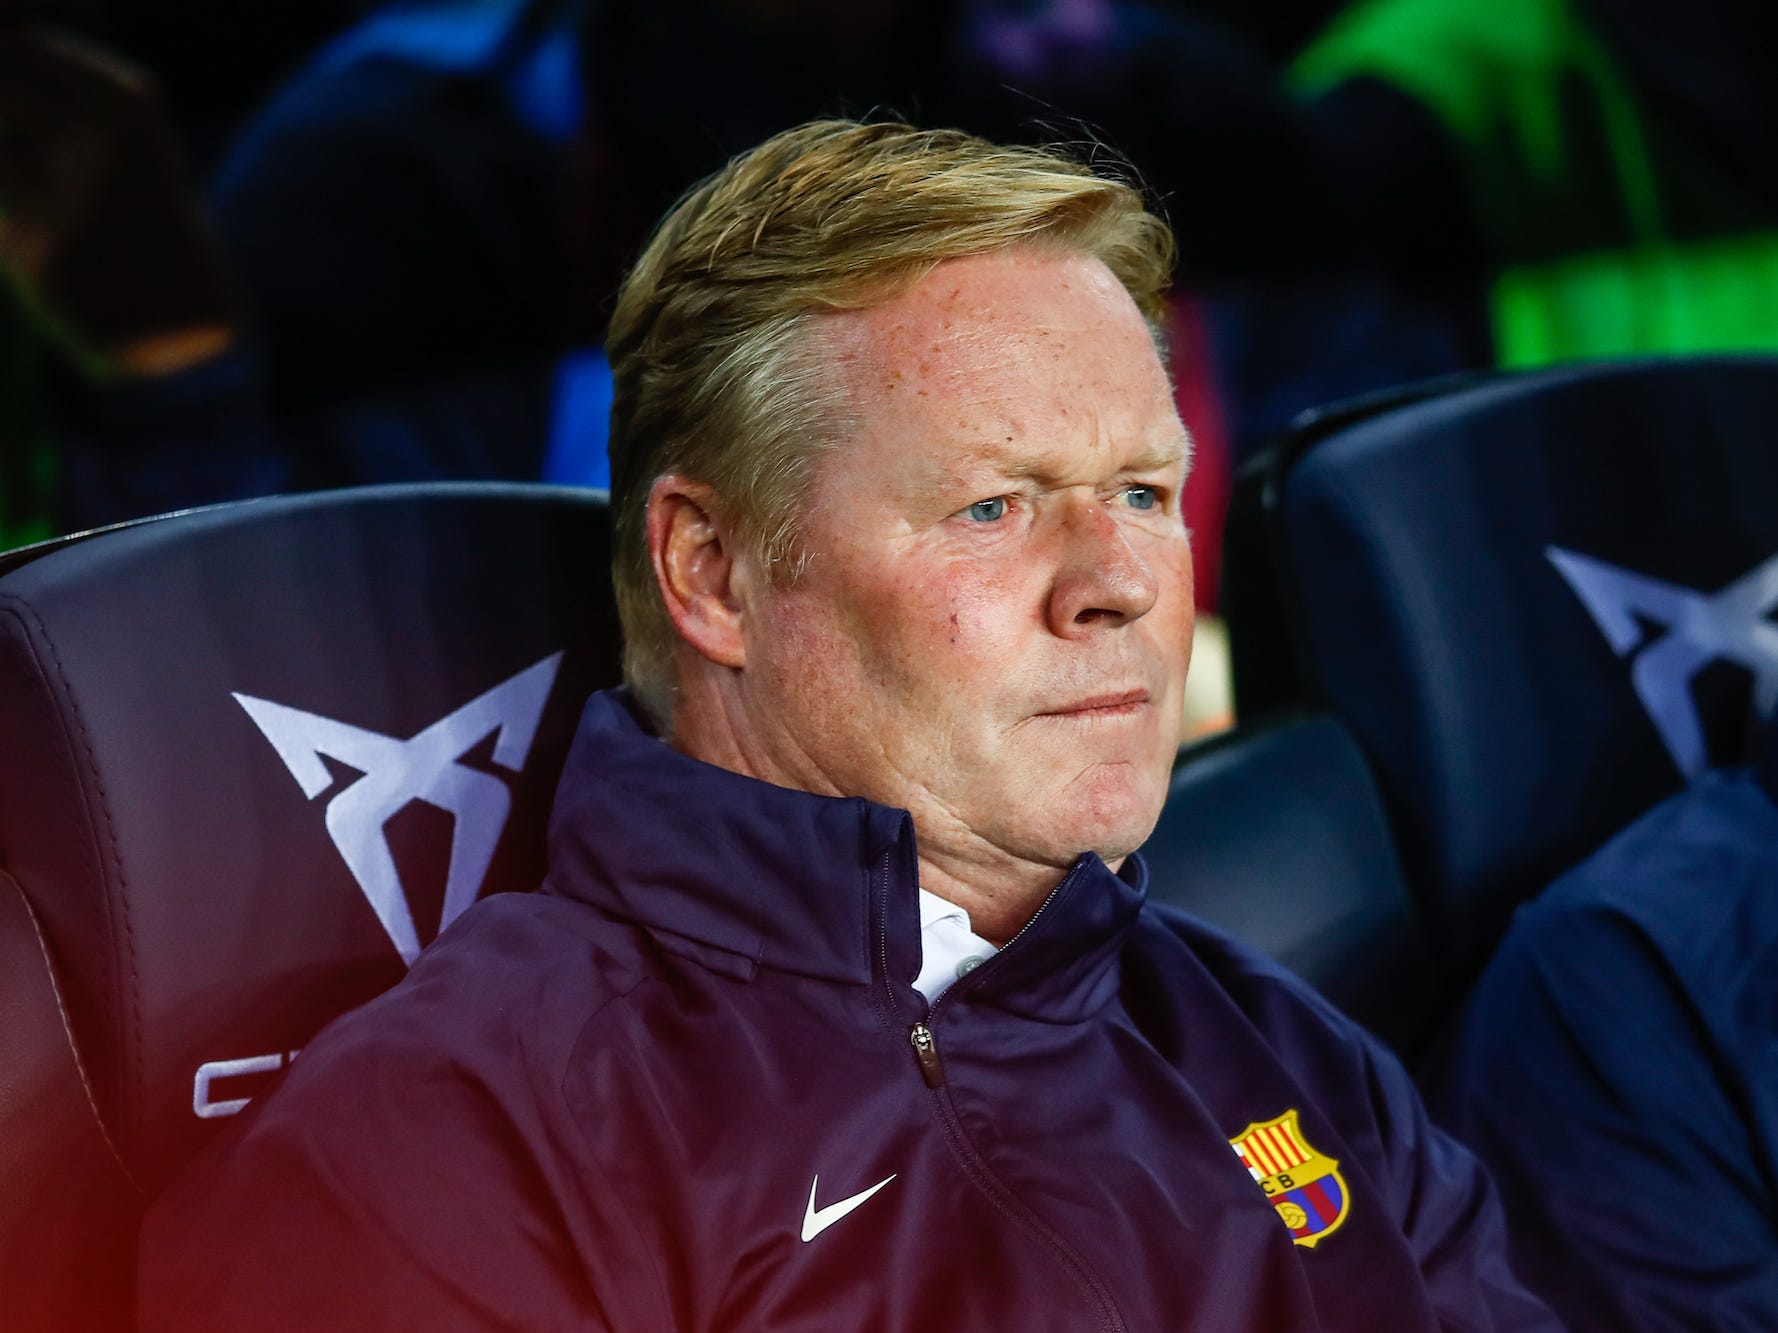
816	1220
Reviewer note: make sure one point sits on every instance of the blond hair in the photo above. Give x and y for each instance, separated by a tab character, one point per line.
715	376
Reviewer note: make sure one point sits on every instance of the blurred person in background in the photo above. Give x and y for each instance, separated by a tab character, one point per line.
1429	186
1609	160
427	220
119	395
430	219
1614	1068
1614	155
424	216
212	61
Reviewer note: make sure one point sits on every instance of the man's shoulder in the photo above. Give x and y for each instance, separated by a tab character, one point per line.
414	1137
516	980
1686	881
1176	938
1194	960
1662	932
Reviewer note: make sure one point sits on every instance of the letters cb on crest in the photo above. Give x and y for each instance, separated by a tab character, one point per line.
1304	1185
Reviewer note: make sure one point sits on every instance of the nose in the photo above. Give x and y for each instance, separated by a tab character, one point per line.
1101	580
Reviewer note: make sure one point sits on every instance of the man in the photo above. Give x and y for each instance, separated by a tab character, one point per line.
841	1007
1614	1068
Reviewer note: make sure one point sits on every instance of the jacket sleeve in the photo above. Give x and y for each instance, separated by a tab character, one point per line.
379	1188
1619	1132
1447	1208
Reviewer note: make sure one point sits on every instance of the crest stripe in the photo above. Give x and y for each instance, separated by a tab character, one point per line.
1280	1150
1247	1160
1288	1129
1286	1151
1257	1147
1325	1206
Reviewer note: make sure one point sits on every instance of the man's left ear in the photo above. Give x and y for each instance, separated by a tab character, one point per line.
693	552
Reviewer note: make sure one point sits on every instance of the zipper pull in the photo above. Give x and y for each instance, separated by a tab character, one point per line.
926	1052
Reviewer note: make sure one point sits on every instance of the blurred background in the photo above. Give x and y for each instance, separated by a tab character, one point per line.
252	249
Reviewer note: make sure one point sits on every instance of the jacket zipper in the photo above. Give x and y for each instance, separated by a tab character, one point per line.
925	1049
932	1073
921	1035
932	1069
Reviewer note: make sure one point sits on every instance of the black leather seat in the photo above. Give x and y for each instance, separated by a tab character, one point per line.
253	756
1540	602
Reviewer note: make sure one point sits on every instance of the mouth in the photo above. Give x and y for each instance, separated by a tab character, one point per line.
1126	703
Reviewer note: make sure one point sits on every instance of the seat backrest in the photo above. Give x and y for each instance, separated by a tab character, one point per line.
253	757
68	1211
1276	833
1539	602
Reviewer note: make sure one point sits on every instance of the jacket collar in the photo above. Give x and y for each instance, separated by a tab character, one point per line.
789	881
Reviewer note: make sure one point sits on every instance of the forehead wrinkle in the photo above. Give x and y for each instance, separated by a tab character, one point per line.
938	344
1023	462
996	458
973	372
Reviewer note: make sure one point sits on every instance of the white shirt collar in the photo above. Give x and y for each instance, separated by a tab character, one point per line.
948	947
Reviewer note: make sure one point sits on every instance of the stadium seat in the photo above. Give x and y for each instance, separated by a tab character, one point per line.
1276	833
1540	602
253	757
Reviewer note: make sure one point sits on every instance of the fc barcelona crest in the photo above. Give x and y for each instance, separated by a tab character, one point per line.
1304	1185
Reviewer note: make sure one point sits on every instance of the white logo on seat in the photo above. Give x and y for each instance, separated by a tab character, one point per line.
1700	628
207	1107
425	768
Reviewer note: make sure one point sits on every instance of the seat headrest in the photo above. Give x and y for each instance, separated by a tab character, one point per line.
255	753
1540	601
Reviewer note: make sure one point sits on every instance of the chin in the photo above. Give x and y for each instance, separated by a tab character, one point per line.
1111	814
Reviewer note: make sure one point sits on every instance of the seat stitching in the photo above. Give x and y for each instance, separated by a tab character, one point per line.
86	1085
110	852
27	627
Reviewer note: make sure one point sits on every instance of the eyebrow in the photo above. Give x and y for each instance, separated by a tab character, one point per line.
1170	452
1154	457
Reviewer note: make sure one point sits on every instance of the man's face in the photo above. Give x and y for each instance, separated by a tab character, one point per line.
995	617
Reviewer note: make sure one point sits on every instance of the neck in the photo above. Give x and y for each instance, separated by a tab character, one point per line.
1000	890
999	905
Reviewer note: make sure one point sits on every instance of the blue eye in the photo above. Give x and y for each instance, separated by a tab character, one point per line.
1142	497
987	511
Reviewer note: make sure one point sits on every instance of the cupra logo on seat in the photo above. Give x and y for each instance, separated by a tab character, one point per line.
1729	624
425	767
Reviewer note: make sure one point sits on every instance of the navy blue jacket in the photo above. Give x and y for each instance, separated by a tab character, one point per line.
1618	1068
651	1096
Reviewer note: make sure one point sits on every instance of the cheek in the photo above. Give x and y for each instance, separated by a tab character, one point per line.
1185	601
978	605
920	619
1176	613
911	640
844	646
